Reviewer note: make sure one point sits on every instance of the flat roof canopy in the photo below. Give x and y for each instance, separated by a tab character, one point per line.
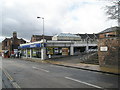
30	46
40	44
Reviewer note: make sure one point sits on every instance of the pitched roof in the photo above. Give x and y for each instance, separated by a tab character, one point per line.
84	36
67	35
40	36
6	39
110	29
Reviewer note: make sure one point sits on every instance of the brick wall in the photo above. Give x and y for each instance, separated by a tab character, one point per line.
35	38
111	57
103	35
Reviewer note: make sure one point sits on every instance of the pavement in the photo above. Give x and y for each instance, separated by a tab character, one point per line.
75	63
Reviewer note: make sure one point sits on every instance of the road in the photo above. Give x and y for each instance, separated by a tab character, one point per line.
5	82
29	74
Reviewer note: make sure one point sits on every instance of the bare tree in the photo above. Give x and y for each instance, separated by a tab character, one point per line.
113	11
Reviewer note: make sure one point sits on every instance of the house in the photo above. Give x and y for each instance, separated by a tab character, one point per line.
109	47
10	45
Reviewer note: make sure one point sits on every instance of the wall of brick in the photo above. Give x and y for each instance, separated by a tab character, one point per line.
111	57
103	35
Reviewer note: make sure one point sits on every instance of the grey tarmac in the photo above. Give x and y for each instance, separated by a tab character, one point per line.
29	74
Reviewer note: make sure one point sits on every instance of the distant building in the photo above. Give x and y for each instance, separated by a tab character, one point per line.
10	45
66	37
0	49
35	38
109	47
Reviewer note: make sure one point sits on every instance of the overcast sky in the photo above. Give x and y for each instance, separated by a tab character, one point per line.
69	16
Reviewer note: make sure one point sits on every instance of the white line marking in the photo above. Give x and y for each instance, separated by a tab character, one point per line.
44	70
40	69
35	68
83	82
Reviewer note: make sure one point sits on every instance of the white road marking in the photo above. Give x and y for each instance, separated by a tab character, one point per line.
83	82
40	69
35	68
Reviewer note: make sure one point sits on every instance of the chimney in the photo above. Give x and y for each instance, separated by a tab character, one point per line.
14	34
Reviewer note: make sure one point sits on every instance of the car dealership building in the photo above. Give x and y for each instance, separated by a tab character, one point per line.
69	45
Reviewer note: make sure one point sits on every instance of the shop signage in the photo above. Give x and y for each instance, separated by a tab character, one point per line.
65	51
56	50
50	51
105	48
31	46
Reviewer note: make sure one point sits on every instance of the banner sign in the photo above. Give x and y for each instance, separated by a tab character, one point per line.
30	46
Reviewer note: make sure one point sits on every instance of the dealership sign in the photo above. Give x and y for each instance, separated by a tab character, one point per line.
37	45
33	45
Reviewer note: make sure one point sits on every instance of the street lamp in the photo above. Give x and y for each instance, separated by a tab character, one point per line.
43	28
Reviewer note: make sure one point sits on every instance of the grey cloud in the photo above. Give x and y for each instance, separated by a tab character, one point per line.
21	16
17	19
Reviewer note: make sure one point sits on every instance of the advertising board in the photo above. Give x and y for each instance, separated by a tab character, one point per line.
65	51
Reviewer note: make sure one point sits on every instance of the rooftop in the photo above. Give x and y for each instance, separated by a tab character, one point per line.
40	36
110	29
67	35
84	36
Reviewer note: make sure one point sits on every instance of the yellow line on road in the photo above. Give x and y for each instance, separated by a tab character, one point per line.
11	79
8	76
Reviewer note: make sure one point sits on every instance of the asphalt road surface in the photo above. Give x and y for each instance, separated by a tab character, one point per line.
29	74
5	82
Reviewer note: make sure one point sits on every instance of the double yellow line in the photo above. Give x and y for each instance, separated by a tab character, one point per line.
15	85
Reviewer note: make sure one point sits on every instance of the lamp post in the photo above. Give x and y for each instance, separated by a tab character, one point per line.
43	49
43	28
